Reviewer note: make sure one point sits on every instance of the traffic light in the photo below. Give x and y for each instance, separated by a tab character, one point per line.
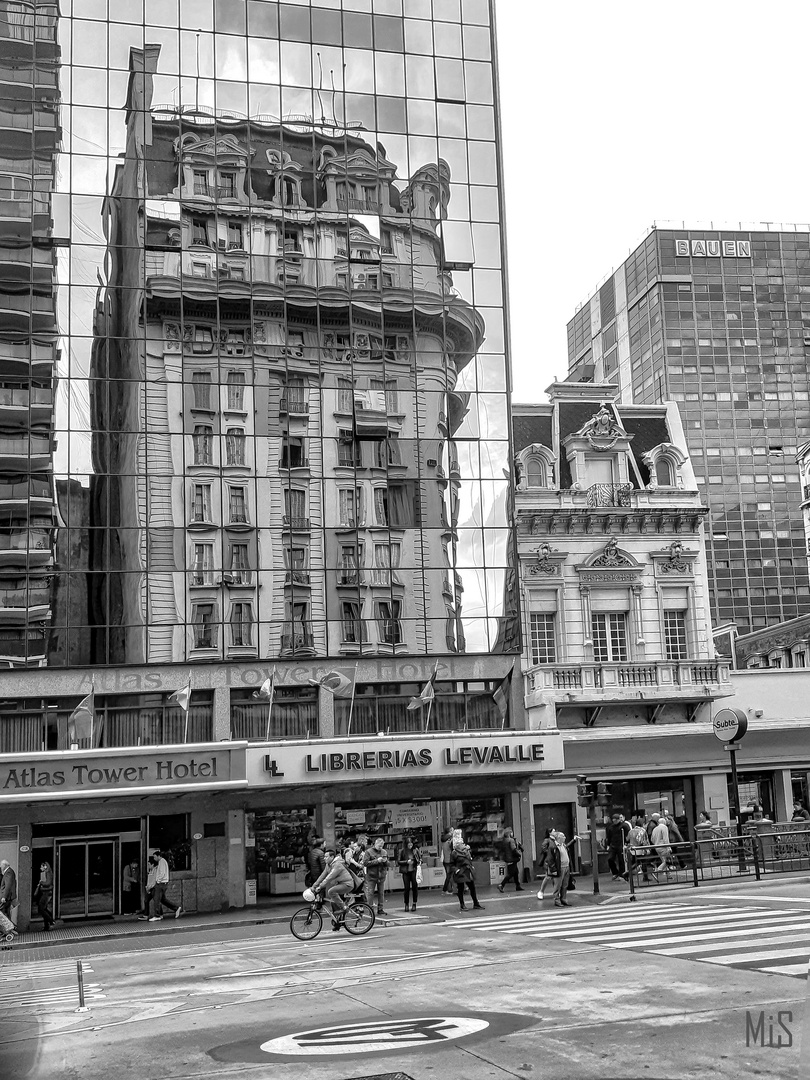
603	793
584	793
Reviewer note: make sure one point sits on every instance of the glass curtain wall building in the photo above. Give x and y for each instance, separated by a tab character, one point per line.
252	360
719	321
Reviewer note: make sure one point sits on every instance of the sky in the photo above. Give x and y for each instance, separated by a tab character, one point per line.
616	115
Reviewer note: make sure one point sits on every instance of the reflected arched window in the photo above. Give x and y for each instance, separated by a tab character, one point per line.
535	473
663	473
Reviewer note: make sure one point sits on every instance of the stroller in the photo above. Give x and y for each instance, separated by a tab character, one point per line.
8	931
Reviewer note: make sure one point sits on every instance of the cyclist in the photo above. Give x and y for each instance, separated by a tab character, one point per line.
335	882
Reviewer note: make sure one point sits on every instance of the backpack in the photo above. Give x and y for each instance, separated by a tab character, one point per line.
357	881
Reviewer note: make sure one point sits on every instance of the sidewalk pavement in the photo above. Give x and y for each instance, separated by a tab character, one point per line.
434	906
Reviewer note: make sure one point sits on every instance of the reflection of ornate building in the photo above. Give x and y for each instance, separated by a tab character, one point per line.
275	409
29	129
612	555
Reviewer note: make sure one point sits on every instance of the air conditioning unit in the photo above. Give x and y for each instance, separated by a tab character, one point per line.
222	245
432	462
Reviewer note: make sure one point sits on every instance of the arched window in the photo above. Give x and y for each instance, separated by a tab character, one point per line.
663	472
535	472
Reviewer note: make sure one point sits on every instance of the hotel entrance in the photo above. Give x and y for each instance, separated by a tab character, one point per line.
86	876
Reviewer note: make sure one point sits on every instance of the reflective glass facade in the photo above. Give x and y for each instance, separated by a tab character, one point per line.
252	341
718	321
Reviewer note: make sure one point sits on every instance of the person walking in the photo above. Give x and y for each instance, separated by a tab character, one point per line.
149	891
161	885
409	858
512	852
561	866
616	835
659	839
447	861
464	874
543	864
43	894
639	844
375	861
8	888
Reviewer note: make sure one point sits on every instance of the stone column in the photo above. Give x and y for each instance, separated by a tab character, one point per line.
222	714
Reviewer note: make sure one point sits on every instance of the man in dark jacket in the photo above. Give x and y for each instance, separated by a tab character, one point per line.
616	839
315	861
375	860
512	852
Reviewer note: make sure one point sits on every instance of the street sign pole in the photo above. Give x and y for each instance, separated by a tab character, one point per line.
729	726
594	847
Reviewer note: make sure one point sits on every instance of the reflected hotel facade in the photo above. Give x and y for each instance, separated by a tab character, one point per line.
255	416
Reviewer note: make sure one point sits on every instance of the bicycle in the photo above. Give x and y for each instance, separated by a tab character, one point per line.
357	917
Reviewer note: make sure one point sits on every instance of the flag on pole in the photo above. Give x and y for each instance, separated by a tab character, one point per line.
80	721
182	697
428	692
501	693
267	690
336	683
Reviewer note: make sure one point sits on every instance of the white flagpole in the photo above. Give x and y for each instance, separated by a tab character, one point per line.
185	725
430	706
351	707
272	699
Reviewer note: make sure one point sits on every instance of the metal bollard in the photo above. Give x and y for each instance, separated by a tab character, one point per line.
80	976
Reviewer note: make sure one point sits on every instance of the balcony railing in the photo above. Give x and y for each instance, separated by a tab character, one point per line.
296	577
682	678
297	640
290	403
609	494
300	524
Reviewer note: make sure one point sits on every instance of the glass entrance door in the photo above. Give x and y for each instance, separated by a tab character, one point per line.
85	878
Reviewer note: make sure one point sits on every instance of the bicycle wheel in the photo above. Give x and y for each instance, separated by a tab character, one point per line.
306	923
359	919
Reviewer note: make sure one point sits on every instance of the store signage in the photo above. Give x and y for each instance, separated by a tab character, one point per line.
118	772
386	758
729	249
729	724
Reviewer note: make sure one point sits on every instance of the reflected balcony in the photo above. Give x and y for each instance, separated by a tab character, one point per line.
22	647
297	639
25	546
28	496
653	681
297	577
19	605
22	407
293	405
296	524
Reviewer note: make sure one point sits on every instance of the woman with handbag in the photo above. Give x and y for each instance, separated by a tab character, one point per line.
463	873
409	859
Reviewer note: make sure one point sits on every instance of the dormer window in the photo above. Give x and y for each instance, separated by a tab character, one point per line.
534	467
663	473
665	462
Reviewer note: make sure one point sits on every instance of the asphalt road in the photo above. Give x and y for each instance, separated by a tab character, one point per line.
656	989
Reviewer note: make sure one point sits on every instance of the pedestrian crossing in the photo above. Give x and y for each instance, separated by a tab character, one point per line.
38	984
776	941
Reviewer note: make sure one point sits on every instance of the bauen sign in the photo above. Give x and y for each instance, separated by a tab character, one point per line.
729	724
730	249
119	772
387	757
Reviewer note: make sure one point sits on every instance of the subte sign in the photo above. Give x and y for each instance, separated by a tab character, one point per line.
729	725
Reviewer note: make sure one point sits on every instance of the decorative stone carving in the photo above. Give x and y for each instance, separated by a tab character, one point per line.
544	564
172	333
611	557
602	430
676	563
260	333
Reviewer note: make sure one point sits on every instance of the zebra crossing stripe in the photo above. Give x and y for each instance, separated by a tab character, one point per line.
45	997
644	931
20	973
799	970
518	923
642	942
776	954
766	942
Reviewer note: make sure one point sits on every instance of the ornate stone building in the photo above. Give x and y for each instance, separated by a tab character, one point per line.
610	534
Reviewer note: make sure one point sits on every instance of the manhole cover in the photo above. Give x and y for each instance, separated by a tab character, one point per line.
382	1076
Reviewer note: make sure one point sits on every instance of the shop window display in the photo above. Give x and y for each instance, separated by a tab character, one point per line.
276	859
482	822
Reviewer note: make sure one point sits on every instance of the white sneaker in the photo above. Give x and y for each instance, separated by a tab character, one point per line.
178	913
156	918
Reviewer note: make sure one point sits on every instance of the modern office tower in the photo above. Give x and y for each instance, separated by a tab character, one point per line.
29	134
719	321
281	429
